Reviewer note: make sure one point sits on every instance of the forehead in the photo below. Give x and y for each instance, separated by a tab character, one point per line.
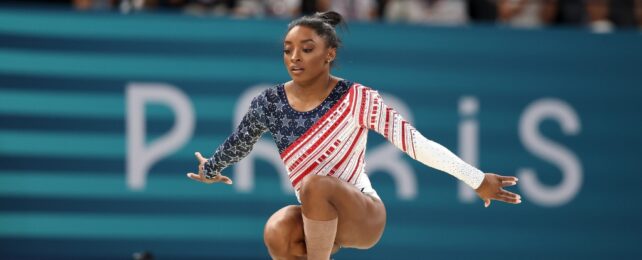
301	33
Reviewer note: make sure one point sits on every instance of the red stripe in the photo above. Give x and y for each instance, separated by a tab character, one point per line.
356	140
374	112
298	179
357	165
363	100
385	130
353	88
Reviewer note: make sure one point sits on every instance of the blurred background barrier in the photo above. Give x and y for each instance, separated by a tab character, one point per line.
100	115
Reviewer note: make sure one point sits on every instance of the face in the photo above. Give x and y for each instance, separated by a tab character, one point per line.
306	55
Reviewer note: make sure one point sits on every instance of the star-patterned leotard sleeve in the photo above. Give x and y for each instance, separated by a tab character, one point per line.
240	143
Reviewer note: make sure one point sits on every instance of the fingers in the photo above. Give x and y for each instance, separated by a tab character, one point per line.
509	200
225	179
508	178
200	158
201	178
503	196
508	183
195	177
509	197
508	194
222	178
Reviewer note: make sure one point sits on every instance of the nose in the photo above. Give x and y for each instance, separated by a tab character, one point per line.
296	56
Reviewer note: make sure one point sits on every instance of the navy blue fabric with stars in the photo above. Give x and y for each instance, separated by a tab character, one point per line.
270	111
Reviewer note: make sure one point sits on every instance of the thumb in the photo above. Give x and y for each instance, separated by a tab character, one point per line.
227	180
486	203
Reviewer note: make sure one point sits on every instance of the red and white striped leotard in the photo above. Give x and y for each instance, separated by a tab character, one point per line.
335	144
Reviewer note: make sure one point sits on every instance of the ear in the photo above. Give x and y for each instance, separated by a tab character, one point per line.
332	54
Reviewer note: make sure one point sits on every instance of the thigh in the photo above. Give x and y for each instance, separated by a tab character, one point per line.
362	218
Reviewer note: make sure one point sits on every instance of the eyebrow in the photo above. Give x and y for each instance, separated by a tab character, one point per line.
303	41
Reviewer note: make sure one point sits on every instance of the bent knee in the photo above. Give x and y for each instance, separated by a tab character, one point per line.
315	185
362	246
364	243
279	230
275	239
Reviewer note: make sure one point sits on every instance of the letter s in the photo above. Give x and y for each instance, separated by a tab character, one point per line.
550	151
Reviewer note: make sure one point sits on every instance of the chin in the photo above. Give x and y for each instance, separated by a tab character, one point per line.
299	78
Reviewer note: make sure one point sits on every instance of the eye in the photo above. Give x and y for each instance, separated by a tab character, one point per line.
307	50
287	51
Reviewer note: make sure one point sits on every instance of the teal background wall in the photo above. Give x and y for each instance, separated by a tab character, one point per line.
63	143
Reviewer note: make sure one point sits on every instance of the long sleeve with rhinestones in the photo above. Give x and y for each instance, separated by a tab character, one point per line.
240	143
387	122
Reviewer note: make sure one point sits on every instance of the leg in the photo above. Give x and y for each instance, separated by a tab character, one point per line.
283	234
361	218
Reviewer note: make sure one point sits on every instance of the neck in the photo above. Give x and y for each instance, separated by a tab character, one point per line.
313	89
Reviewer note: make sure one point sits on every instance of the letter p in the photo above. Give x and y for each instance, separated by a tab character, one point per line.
141	158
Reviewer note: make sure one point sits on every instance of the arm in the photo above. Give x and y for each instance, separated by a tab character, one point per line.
236	147
387	122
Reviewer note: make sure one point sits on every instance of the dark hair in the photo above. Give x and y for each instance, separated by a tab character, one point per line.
324	25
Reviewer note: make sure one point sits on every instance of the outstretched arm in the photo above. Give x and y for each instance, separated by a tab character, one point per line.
392	126
488	186
236	147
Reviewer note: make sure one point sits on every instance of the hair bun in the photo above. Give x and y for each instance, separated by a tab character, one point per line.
331	17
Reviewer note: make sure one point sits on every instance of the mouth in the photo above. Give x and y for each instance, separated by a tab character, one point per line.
296	70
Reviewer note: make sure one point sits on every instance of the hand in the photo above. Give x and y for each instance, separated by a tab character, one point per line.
201	173
491	188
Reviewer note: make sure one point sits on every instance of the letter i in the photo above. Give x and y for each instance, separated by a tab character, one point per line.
468	141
